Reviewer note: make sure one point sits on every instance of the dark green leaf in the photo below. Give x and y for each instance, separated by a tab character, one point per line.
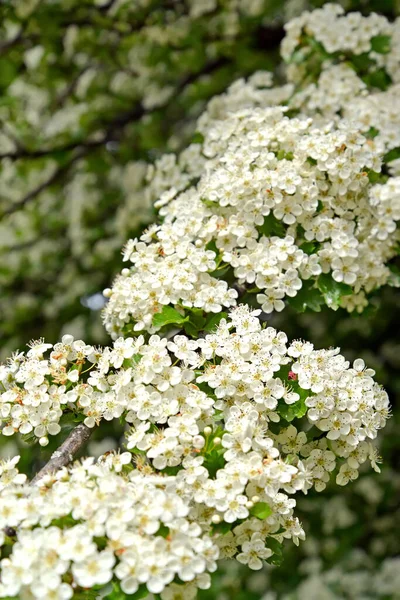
222	528
381	44
213	321
310	247
332	290
272	226
378	79
308	298
196	321
198	138
277	557
391	155
371	133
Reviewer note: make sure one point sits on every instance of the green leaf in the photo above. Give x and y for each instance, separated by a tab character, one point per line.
292	411
272	226
118	594
307	298
198	138
282	154
277	557
196	321
332	290
371	133
222	528
378	79
375	177
163	531
310	247
381	44
261	510
168	316
362	62
391	155
213	321
214	460
8	72
91	594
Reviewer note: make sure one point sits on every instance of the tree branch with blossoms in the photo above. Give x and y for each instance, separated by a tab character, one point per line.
64	455
279	200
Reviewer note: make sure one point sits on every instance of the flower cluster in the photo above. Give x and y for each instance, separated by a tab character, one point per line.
280	201
326	36
212	425
266	201
95	522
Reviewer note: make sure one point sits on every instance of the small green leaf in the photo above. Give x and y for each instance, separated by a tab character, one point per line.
261	510
213	321
272	226
222	528
307	298
163	531
310	247
118	594
292	411
274	545
332	290
381	44
198	138
371	133
196	321
168	316
282	154
393	154
378	79
277	557
375	177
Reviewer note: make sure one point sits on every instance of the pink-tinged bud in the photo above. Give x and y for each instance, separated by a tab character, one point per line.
292	376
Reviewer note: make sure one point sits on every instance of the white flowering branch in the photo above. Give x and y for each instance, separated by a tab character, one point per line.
219	441
66	452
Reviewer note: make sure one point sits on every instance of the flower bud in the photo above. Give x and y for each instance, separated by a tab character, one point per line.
198	441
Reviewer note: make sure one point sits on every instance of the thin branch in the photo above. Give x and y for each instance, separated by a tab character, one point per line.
58	173
66	452
70	88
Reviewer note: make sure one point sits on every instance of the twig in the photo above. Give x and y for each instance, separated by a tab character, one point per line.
66	452
60	172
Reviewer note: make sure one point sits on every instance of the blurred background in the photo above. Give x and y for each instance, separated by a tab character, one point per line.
91	94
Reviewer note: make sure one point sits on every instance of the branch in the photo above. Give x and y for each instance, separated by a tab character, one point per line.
66	452
58	173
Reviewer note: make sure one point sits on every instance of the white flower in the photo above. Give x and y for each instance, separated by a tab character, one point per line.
253	551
